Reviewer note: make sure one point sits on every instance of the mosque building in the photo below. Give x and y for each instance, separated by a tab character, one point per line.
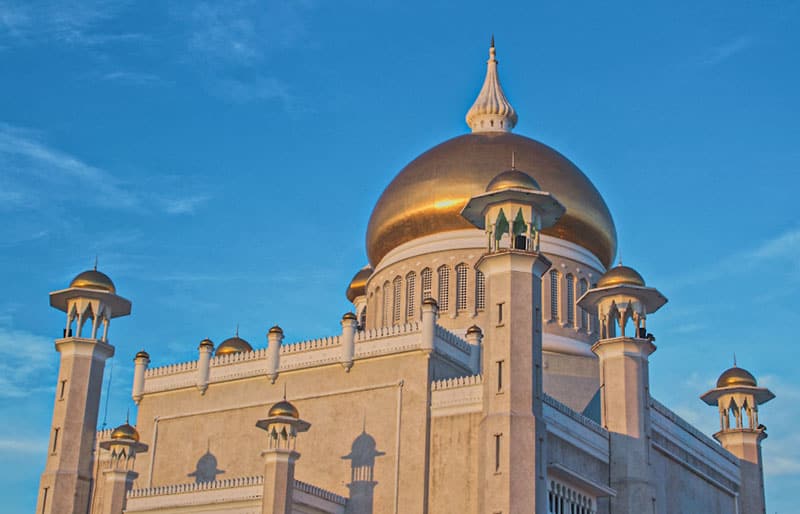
495	362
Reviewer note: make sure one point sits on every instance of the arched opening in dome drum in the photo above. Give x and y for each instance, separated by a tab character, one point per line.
520	242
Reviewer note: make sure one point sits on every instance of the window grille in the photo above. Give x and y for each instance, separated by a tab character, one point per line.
385	309
461	287
554	295
562	499
583	287
444	288
427	279
480	291
411	284
396	284
570	300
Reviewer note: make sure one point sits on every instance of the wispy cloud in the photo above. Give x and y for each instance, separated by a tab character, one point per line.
134	78
66	21
23	445
37	172
258	89
21	372
727	50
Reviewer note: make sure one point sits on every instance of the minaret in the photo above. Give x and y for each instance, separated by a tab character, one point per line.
491	111
511	459
737	396
282	425
620	297
90	303
123	445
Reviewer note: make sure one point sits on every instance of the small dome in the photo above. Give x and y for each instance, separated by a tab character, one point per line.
474	329
512	179
276	330
234	344
358	285
349	315
736	377
125	432
620	276
93	279
284	409
141	354
206	342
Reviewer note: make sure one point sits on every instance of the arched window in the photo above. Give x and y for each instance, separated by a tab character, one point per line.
444	288
411	284
427	279
385	306
583	286
397	283
480	291
362	320
570	300
553	295
461	287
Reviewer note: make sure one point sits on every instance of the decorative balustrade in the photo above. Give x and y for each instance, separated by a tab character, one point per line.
453	340
171	369
694	432
392	330
577	416
454	383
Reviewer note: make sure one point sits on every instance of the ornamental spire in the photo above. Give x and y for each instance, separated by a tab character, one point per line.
491	111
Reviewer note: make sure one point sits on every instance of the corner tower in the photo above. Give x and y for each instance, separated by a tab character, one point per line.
511	463
619	299
737	396
90	302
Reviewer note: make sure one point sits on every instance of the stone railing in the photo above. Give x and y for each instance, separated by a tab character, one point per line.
454	383
393	330
694	432
171	369
320	492
313	344
453	340
577	416
196	486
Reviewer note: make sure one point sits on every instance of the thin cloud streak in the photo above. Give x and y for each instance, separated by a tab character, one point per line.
728	50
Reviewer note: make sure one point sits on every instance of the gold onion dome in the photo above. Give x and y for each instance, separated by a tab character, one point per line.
141	354
512	179
427	196
93	279
125	431
621	276
284	409
736	376
358	285
234	344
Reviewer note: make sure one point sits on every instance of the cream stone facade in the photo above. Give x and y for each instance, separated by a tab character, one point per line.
494	363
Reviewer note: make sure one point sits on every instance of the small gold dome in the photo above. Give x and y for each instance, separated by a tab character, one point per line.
512	179
621	275
206	342
285	409
358	285
474	329
141	354
736	376
93	279
234	344
125	432
349	315
276	330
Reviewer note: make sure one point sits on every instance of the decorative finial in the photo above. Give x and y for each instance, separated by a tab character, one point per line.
237	330
95	262
734	359
491	111
284	391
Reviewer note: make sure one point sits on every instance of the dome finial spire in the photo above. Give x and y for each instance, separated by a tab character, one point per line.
491	111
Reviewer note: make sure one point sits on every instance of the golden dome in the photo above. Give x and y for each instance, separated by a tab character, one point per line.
125	432
285	409
234	344
512	179
621	275
141	354
358	285
736	376
427	196
93	279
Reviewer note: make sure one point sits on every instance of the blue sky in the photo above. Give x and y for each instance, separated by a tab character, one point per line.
195	147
